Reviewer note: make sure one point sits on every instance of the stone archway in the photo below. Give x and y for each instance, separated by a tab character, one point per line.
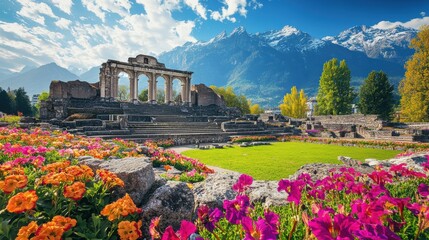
149	66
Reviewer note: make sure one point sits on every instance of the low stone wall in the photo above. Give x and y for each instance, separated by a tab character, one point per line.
369	121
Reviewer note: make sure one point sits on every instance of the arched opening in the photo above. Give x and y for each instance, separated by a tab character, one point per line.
160	90
123	90
143	87
177	91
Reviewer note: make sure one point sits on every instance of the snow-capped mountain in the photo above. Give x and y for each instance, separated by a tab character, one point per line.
391	44
289	38
264	66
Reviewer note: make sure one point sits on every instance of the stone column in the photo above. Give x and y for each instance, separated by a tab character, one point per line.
167	89
155	83
189	91
183	92
136	88
150	87
102	79
131	95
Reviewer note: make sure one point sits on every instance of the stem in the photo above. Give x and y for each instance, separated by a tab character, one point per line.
295	223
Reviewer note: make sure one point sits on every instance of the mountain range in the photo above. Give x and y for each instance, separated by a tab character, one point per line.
262	66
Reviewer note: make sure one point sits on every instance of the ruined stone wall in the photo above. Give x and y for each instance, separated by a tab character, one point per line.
369	121
73	89
205	96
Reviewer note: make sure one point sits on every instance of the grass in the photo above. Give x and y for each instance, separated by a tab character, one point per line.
279	160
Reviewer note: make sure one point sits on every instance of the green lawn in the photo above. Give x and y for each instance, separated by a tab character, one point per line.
279	160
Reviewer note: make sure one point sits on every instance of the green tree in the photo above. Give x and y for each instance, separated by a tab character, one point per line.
143	95
376	95
335	96
294	104
231	99
22	102
123	93
6	104
414	88
42	97
160	96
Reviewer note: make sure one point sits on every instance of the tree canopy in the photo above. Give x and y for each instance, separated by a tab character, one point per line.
232	100
376	95
414	88
6	105
335	96
294	104
22	102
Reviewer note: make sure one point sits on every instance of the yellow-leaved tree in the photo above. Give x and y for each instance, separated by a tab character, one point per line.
294	104
255	108
414	88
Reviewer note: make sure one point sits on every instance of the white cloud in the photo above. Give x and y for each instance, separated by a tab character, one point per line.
422	14
197	7
34	11
63	23
100	7
232	7
415	23
63	5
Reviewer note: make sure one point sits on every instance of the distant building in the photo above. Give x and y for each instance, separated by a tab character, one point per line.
273	111
34	99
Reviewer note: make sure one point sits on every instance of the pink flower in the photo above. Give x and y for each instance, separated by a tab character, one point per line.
376	232
259	230
423	190
186	229
341	228
209	217
236	209
243	183
293	189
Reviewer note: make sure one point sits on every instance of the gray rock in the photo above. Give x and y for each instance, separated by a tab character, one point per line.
137	174
173	202
266	193
216	188
317	171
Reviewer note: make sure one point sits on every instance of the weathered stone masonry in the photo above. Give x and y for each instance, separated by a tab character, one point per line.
149	66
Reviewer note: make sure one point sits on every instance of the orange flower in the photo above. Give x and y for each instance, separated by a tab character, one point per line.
56	167
26	231
152	228
109	178
65	222
75	191
122	207
57	178
22	202
80	172
167	167
13	182
49	230
129	230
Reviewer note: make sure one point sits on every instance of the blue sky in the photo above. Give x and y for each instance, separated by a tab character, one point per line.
80	34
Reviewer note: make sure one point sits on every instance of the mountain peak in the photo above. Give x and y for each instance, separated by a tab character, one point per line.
238	31
288	30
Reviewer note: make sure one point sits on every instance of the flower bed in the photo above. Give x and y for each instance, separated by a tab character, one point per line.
45	192
359	143
240	139
386	204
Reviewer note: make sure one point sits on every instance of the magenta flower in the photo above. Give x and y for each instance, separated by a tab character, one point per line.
243	183
259	230
380	177
209	217
272	219
376	232
293	189
186	229
341	228
423	190
368	212
236	209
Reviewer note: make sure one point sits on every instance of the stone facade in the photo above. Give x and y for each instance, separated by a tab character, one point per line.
143	65
205	96
73	89
368	121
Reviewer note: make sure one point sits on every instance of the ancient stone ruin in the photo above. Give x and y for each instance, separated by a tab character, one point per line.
95	110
